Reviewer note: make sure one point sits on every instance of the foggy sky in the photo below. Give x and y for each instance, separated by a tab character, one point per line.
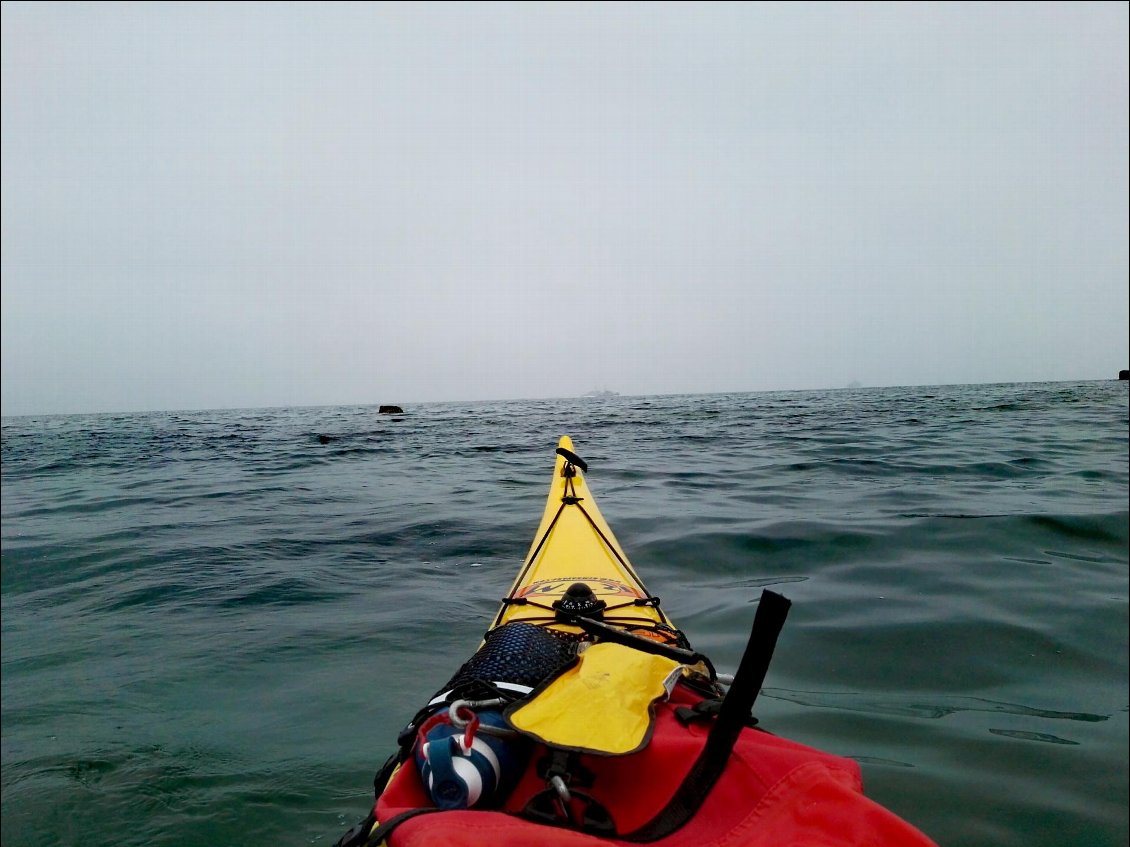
245	205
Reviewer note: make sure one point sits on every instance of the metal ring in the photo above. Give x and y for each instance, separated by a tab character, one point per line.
453	713
561	788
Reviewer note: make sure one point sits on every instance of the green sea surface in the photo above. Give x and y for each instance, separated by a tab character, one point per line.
215	623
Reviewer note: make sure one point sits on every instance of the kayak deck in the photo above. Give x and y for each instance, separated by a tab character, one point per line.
585	718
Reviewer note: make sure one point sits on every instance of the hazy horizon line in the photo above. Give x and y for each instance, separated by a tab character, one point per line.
404	403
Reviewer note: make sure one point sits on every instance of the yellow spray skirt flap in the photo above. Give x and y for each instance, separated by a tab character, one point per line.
602	704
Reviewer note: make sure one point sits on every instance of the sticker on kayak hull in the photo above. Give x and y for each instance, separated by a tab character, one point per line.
599	586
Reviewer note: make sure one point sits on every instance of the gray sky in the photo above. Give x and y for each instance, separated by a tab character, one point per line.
253	205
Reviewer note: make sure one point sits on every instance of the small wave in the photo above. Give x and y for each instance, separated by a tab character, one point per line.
910	706
1103	528
1032	736
284	592
875	760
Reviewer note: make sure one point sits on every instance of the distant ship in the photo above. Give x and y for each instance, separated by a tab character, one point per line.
602	393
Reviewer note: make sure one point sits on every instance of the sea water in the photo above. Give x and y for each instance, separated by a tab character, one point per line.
215	623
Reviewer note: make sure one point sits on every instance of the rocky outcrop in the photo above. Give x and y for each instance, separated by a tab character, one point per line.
390	410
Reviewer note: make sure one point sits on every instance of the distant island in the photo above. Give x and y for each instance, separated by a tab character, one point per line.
602	393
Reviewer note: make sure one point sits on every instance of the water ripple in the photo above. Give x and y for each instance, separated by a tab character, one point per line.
910	705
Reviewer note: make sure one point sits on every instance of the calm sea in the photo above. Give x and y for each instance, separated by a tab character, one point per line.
214	623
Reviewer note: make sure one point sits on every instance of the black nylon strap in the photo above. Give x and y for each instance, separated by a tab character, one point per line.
638	642
732	716
573	458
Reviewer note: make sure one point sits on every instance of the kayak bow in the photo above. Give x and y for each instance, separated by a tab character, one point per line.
574	544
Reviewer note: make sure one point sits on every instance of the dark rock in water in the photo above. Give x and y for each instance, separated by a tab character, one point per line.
1124	374
390	410
325	439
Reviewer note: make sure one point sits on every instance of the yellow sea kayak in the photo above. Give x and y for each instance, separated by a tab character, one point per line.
585	718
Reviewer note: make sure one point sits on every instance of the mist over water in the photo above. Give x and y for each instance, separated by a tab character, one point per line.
215	623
